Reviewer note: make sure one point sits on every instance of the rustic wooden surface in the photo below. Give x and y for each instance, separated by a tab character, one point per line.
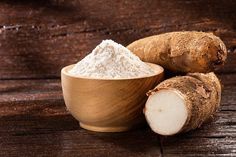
38	38
34	122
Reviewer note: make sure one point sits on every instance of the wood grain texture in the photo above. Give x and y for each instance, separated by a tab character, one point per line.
81	143
39	38
200	146
108	105
41	91
34	122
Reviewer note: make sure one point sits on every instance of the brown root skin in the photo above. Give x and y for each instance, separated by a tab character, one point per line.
188	51
210	80
201	93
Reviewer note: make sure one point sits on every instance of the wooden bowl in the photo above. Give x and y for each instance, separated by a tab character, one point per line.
107	105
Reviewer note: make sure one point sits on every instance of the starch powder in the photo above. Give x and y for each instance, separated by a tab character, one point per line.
111	60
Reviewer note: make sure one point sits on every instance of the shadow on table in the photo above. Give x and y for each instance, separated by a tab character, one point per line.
139	141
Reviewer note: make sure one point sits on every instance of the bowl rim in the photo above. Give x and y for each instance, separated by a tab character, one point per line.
64	71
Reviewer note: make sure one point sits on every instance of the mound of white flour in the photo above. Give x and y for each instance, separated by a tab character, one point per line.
111	60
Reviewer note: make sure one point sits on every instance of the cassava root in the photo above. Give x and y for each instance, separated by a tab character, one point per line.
188	51
182	103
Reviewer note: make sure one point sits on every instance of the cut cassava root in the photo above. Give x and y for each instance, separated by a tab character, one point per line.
182	103
188	51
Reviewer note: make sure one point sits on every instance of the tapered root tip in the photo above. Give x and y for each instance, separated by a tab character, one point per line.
166	112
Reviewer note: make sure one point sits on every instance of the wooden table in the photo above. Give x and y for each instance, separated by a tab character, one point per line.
38	38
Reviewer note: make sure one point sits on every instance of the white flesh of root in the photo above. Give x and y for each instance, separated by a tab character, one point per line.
166	112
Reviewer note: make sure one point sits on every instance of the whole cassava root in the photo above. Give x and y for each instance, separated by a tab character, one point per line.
182	103
188	51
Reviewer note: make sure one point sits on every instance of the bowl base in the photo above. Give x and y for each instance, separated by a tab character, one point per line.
104	129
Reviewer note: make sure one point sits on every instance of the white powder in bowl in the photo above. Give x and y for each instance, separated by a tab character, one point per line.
111	60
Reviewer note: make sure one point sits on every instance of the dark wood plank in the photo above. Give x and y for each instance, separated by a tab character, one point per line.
227	79
14	92
50	136
33	117
228	97
230	64
30	90
34	122
39	38
81	143
184	146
